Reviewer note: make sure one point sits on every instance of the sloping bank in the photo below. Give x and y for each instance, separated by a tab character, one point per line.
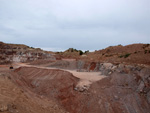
125	90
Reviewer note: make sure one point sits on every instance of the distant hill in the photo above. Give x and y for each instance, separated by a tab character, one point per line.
135	53
131	54
71	53
21	53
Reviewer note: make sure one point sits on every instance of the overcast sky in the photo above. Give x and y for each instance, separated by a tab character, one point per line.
81	24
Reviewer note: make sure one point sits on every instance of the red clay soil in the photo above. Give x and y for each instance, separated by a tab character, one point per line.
14	99
92	66
117	94
39	90
114	94
54	84
131	54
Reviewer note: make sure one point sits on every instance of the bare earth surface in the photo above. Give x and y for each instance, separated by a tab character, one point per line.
112	80
86	78
37	89
14	99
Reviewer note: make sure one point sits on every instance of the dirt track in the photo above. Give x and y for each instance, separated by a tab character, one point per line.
86	78
14	99
40	89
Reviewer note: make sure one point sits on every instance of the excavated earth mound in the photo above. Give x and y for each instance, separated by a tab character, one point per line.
121	92
54	84
117	94
14	99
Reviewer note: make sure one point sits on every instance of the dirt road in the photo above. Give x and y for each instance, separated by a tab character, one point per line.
86	78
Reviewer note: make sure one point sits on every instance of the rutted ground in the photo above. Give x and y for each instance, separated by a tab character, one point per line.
85	78
14	99
85	84
125	90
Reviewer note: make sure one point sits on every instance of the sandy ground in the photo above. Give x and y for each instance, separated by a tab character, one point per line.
114	94
13	99
86	78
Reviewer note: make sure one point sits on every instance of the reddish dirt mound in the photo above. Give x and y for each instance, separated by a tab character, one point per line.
54	84
14	100
115	94
135	53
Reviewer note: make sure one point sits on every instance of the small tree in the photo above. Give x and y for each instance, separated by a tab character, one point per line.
80	52
126	55
87	51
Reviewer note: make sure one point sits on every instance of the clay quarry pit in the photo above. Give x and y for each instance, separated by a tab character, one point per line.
75	85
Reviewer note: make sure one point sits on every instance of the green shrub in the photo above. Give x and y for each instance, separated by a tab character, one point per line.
121	56
145	46
80	52
125	56
86	51
145	51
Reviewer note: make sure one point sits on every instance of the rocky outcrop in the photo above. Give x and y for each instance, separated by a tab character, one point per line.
3	108
10	53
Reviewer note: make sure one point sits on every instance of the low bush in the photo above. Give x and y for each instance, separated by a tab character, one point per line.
125	56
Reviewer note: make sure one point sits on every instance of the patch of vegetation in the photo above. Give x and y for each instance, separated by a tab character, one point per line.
145	46
32	47
119	45
125	55
146	51
121	56
72	50
60	53
80	52
86	51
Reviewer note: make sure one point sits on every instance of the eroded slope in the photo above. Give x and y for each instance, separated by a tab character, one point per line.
126	90
14	99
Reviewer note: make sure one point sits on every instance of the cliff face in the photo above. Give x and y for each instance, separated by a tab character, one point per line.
10	53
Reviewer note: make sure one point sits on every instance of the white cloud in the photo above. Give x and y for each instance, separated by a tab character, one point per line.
82	24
